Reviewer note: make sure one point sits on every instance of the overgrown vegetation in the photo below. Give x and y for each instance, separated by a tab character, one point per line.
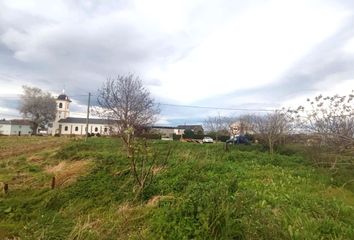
200	192
330	122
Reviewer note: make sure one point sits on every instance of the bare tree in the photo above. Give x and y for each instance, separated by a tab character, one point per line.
128	103
331	118
217	125
271	128
38	106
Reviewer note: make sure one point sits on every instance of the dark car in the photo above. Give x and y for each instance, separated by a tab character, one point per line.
238	140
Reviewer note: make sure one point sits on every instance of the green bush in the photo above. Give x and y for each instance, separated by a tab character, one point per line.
176	137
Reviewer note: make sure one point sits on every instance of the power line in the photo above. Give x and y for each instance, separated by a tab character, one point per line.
183	106
218	108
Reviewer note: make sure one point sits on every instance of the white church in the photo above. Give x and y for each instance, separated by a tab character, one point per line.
66	125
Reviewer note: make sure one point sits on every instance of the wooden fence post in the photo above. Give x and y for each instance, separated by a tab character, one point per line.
6	188
53	182
226	147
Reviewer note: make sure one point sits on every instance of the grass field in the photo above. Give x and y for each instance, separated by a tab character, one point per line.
202	192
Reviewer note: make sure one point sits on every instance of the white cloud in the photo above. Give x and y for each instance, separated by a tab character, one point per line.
349	47
186	50
163	120
252	50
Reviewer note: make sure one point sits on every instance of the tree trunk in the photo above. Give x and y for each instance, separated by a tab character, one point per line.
271	147
34	128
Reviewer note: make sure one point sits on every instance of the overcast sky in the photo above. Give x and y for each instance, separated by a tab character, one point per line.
222	53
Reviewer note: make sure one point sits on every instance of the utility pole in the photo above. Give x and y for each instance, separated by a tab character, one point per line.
88	115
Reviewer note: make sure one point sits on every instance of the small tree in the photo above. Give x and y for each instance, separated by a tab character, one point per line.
128	103
144	162
125	101
38	106
271	128
218	125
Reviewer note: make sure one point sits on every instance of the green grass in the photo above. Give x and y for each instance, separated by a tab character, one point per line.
202	193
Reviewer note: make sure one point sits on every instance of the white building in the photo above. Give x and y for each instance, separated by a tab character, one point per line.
166	131
15	127
66	125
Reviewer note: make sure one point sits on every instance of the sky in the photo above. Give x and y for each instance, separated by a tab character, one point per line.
256	54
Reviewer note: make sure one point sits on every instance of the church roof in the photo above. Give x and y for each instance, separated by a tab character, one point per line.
83	120
63	97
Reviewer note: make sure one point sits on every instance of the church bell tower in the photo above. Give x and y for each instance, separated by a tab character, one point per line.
63	102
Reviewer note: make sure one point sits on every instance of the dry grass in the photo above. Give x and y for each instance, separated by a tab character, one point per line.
158	169
124	208
156	199
16	146
66	172
85	226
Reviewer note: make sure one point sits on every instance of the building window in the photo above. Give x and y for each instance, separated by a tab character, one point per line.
60	105
105	130
96	129
66	128
76	129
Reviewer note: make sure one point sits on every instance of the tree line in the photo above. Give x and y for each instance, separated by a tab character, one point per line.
326	123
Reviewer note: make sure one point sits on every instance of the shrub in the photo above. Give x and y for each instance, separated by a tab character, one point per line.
176	137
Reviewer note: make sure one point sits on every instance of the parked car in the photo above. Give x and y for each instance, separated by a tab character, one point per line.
208	140
238	140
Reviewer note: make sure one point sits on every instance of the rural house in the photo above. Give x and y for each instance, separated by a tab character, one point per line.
166	131
196	129
15	127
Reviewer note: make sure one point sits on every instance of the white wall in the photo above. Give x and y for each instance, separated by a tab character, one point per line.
14	130
5	129
23	129
80	129
178	131
62	112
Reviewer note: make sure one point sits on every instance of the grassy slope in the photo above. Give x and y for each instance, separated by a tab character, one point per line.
203	193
